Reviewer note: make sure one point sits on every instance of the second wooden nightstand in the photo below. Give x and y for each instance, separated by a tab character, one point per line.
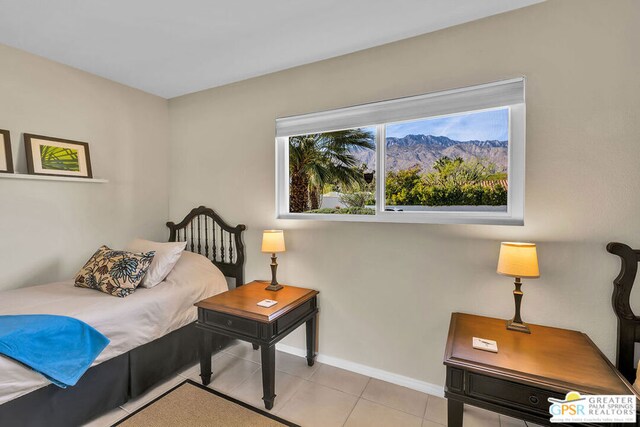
236	314
527	370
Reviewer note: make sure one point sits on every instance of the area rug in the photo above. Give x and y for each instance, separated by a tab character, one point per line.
191	404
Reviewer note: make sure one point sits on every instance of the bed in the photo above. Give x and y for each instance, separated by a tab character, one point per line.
628	322
162	341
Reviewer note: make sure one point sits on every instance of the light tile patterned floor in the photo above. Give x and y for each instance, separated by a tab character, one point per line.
321	395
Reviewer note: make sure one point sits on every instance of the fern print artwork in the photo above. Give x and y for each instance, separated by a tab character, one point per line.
47	155
59	158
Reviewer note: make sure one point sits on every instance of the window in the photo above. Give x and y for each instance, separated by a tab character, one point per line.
447	157
448	164
333	172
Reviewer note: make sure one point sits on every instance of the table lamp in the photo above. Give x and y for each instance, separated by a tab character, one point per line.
518	260
273	242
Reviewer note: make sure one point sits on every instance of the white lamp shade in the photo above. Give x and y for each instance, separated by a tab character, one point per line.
273	241
518	260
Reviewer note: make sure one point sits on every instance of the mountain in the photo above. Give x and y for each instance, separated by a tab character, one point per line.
424	150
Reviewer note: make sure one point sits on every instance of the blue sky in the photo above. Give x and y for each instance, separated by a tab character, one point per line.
483	126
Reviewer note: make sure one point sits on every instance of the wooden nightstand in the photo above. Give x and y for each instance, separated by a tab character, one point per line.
235	314
526	371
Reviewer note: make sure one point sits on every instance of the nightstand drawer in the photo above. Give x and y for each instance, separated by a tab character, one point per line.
293	316
508	393
231	323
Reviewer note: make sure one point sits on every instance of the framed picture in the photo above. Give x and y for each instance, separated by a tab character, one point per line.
56	156
6	160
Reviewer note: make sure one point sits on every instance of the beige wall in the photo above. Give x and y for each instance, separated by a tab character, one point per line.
49	229
387	290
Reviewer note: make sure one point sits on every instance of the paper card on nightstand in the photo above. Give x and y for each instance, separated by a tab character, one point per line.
484	344
267	303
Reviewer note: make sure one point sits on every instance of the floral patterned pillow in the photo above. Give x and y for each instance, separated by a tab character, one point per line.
114	272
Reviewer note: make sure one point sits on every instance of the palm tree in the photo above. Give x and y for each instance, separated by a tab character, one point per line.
320	158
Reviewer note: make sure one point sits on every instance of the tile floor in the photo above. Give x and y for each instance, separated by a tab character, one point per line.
320	395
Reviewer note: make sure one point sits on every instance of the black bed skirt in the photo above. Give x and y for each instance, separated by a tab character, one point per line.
107	385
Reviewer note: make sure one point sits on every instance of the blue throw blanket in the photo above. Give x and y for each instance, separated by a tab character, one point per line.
60	348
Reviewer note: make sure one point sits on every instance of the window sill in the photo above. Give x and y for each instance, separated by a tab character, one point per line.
414	218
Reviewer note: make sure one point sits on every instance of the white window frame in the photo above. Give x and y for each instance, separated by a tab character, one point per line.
507	93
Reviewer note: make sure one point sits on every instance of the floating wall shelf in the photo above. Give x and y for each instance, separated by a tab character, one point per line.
52	178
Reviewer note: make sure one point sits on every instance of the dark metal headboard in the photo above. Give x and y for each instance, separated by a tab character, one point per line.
207	234
628	322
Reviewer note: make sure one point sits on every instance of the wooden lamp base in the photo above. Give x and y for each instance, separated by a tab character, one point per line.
516	324
520	327
274	286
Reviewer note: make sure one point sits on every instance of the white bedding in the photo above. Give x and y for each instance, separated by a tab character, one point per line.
128	322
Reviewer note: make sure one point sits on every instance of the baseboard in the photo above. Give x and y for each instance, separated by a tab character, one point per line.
358	368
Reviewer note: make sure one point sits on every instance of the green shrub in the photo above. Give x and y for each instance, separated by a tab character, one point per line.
466	195
453	182
408	189
496	196
358	199
348	211
404	187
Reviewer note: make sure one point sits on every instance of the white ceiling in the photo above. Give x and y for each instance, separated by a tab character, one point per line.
173	47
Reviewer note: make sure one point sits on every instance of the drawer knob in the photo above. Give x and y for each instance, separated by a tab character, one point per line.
534	399
229	322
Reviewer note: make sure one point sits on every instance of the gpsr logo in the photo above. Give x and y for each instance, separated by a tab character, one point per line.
593	408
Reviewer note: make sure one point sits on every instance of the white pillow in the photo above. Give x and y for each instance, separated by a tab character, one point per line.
167	255
197	272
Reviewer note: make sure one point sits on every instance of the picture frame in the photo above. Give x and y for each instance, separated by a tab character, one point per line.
6	158
51	156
